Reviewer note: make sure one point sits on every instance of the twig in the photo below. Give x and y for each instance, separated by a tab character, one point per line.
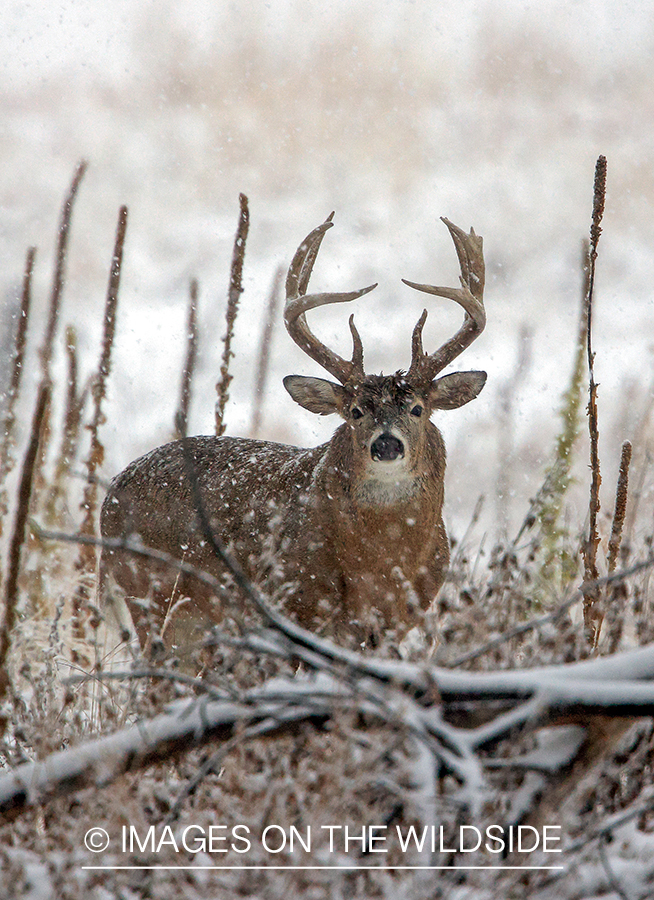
175	677
135	549
212	763
398	691
235	291
99	762
283	702
617	820
181	417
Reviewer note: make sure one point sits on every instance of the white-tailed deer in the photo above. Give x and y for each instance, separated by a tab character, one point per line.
347	527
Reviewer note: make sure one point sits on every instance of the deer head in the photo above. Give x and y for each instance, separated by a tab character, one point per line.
387	415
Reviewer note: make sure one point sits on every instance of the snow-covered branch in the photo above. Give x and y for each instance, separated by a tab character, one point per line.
414	699
390	691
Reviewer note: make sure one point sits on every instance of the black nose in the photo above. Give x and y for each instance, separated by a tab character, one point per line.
387	447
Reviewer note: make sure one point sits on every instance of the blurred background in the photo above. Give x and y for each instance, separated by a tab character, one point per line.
390	113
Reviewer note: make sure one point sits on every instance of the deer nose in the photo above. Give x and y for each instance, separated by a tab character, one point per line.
387	447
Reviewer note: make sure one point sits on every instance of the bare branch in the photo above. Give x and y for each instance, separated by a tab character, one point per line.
309	647
99	762
540	621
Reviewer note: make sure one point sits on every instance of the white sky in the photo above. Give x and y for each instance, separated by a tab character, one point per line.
38	39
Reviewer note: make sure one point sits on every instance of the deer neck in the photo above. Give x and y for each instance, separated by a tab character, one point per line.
392	486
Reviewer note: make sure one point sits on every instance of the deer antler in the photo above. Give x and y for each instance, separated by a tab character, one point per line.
298	302
469	249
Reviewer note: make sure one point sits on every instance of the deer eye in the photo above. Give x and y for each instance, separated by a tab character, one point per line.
356	413
417	411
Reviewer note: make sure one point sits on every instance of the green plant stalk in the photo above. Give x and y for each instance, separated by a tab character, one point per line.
554	554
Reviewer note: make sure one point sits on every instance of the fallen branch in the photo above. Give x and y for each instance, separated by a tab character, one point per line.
414	699
554	693
99	762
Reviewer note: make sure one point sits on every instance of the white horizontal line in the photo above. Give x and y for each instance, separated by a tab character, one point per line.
344	868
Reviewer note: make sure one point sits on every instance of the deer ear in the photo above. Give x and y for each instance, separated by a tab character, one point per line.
316	394
457	389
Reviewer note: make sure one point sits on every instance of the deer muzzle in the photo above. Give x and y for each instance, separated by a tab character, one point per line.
387	447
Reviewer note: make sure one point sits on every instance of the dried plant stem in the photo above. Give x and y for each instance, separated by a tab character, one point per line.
263	363
99	387
181	417
235	291
56	292
86	559
642	463
70	433
617	593
7	436
592	614
60	268
18	536
620	507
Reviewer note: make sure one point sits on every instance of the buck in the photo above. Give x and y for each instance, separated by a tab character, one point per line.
349	527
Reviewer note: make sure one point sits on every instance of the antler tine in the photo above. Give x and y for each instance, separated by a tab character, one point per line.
301	268
469	249
298	302
357	346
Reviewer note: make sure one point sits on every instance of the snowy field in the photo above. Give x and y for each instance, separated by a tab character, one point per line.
391	114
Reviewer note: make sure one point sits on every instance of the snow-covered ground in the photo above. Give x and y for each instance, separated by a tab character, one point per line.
392	114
